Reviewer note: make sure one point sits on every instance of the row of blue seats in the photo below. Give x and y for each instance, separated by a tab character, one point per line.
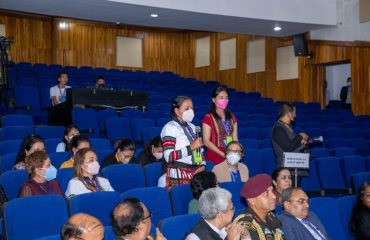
333	213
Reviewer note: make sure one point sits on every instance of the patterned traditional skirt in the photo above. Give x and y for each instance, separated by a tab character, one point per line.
179	175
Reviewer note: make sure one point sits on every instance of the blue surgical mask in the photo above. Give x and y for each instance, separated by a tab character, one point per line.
51	173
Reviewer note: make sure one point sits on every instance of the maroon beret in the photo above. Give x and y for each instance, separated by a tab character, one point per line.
256	185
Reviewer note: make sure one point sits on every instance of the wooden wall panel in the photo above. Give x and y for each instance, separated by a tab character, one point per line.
39	39
32	37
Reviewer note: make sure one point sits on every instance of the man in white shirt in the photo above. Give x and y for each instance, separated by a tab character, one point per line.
298	222
58	93
217	211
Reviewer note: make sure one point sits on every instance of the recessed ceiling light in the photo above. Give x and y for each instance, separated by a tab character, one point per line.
277	28
63	25
154	15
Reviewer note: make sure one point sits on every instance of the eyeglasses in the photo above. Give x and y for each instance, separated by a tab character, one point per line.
147	217
231	209
235	151
300	201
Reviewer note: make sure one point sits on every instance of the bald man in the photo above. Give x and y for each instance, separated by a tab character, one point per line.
82	226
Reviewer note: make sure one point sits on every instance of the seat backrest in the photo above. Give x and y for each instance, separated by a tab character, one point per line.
118	128
51	144
328	212
123	177
57	158
17	120
86	120
252	158
9	146
311	182
63	177
16	132
180	195
12	181
351	165
103	115
97	204
343	151
345	205
153	172
169	227
238	201
359	178
27	96
100	144
47	132
34	217
7	162
268	160
249	143
156	199
330	174
138	124
149	133
320	152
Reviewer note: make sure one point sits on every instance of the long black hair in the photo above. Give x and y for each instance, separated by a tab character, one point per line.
358	207
27	144
66	131
212	111
177	103
156	142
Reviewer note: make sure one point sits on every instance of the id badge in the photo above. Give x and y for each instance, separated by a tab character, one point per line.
229	139
197	159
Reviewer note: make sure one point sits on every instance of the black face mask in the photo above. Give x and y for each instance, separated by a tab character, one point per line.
101	85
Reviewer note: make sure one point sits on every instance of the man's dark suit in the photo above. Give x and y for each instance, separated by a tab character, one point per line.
343	96
293	229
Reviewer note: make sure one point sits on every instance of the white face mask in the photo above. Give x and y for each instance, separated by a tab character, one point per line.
188	115
233	158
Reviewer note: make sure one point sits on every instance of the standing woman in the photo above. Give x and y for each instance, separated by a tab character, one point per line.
180	144
219	126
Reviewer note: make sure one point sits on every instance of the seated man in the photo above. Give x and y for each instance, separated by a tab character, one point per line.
131	220
82	226
298	222
258	218
217	211
100	82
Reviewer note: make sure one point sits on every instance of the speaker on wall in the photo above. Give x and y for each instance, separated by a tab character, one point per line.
300	45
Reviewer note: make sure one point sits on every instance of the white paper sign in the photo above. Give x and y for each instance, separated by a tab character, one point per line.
296	160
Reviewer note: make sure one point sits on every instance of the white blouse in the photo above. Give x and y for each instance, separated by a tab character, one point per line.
76	187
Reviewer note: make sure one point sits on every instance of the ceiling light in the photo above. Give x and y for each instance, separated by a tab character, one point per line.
277	28
63	25
154	15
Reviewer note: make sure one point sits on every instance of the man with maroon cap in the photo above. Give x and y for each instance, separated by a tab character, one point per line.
258	218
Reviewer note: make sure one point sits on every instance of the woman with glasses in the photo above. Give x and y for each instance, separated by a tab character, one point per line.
231	169
281	180
86	180
41	176
30	144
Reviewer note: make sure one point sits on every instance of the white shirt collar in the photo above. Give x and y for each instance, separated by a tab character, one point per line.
222	233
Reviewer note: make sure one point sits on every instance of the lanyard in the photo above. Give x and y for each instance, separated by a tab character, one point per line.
226	126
